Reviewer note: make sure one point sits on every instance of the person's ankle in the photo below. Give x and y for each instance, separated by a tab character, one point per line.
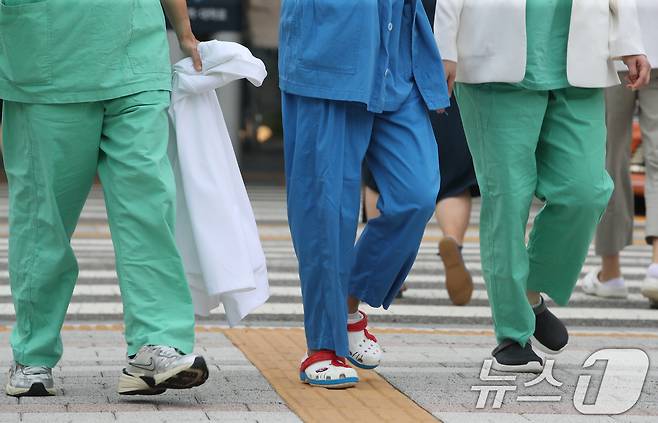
353	304
354	317
607	276
534	298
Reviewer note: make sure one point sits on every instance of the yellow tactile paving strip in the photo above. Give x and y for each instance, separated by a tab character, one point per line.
276	353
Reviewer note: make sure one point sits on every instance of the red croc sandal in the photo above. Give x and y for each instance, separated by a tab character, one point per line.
365	352
326	369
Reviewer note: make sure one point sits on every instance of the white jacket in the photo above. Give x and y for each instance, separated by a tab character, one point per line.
216	229
487	39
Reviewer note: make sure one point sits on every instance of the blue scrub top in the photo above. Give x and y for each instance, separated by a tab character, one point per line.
399	80
360	50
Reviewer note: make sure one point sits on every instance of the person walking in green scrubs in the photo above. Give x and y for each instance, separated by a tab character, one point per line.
86	87
530	80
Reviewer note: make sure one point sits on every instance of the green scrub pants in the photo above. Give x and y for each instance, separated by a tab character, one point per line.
548	144
52	153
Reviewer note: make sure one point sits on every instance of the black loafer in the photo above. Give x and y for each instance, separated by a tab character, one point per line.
509	356
550	335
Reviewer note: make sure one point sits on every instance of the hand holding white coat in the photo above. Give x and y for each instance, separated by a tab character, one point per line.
216	230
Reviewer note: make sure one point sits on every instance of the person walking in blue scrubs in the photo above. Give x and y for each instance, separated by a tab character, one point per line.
357	79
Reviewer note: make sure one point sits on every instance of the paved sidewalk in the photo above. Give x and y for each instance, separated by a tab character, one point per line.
92	363
434	368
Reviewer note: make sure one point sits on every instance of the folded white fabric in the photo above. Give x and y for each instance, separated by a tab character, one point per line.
216	230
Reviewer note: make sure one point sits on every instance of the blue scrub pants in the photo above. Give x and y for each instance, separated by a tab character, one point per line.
325	144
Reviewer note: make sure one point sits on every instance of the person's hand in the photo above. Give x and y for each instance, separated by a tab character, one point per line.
190	46
176	11
639	71
450	70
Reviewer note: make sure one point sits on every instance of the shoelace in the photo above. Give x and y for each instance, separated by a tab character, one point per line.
35	370
168	352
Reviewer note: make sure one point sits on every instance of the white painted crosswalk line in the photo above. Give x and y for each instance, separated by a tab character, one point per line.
438	293
585	314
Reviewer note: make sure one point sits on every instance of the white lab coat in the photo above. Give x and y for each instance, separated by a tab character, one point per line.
216	230
487	39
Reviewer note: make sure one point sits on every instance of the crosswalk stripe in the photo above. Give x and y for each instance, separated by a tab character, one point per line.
573	315
293	277
107	290
97	295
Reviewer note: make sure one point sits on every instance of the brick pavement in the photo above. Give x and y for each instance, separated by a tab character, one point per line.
90	368
432	368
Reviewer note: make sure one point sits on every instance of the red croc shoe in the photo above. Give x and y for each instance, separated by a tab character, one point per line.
326	369
365	352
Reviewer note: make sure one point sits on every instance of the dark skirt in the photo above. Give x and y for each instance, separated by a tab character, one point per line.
456	163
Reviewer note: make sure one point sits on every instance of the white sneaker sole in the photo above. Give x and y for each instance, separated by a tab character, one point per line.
343	383
182	377
618	293
531	367
541	347
36	390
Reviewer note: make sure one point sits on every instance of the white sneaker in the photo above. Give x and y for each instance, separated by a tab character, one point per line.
30	381
615	288
650	288
156	368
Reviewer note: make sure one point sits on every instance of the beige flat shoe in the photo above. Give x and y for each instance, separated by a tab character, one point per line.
458	279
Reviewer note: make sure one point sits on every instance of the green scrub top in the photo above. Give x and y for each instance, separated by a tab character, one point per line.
547	23
72	51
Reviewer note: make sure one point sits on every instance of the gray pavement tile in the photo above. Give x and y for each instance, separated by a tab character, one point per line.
225	355
481	418
181	398
244	380
226	407
88	373
270	408
212	340
34	408
446	385
572	418
68	418
111	408
6	399
634	419
260	417
63	399
10	417
163	417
